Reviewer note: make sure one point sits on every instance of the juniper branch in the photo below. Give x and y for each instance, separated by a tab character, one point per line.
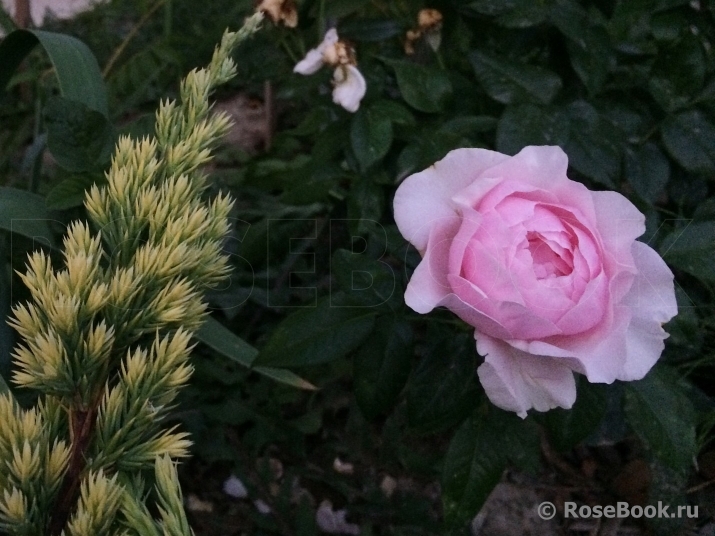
106	339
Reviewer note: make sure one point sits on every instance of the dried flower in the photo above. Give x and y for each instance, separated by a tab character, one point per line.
349	84
429	26
284	11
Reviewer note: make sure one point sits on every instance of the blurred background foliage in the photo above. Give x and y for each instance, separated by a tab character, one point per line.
626	87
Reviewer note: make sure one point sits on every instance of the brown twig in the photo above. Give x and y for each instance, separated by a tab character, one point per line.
269	108
22	13
81	429
132	33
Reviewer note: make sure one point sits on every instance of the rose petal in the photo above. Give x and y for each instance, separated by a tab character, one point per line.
428	285
599	354
619	223
651	301
513	319
311	64
313	60
424	199
652	294
473	317
542	167
349	87
516	381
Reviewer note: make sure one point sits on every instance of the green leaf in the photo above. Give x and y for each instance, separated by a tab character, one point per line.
317	334
692	249
678	73
370	136
228	344
365	205
25	213
529	124
493	7
525	15
469	124
394	111
511	82
472	468
286	376
365	281
663	416
477	456
647	170
221	339
590	146
381	367
592	57
424	88
690	139
428	146
363	29
71	192
588	43
568	427
443	390
340	8
6	332
75	66
79	138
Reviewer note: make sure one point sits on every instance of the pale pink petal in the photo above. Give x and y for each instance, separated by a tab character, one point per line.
428	285
425	198
542	167
590	309
619	224
652	294
513	320
599	354
474	317
516	381
349	87
651	301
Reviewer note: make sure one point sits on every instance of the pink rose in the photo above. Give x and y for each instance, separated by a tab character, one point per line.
548	272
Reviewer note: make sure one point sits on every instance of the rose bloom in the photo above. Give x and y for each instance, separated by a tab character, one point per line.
548	273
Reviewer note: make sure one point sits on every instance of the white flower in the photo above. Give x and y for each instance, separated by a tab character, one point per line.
235	488
314	59
349	87
333	521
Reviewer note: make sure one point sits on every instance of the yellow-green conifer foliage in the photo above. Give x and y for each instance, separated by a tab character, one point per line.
107	338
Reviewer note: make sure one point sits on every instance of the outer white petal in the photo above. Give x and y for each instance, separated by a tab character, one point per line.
516	381
313	60
331	37
349	87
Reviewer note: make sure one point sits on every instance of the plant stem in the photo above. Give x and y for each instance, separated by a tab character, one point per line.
81	430
133	32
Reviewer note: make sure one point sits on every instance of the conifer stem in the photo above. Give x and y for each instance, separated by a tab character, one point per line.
81	429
